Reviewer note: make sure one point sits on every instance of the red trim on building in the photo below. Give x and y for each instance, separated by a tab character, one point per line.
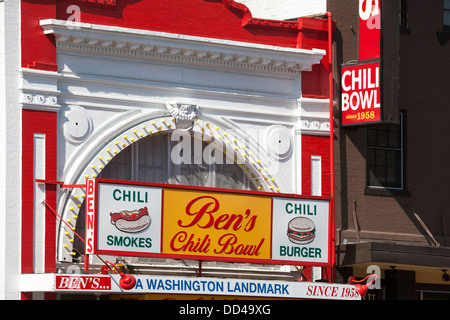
45	123
38	50
318	146
106	3
313	34
29	296
26	296
223	21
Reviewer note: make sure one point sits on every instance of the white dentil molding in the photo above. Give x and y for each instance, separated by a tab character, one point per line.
145	44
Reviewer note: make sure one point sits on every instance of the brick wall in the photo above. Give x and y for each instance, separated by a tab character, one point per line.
424	69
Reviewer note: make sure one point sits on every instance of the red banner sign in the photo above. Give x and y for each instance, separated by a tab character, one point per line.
369	29
79	282
90	210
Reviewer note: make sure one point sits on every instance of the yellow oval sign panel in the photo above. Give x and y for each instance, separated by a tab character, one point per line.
229	226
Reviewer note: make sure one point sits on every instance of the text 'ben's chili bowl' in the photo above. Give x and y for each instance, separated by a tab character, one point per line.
216	224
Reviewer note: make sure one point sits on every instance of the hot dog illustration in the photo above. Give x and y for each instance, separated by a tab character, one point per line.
131	221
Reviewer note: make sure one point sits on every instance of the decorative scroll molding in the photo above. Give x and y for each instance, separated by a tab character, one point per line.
39	101
247	19
313	126
180	49
313	116
39	90
183	113
76	124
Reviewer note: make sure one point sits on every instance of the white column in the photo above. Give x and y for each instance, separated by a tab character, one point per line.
10	154
39	209
316	175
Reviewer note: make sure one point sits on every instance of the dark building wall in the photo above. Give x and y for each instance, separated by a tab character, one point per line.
424	95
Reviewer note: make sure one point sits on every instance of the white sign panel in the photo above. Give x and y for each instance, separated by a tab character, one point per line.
188	285
241	287
300	229
129	218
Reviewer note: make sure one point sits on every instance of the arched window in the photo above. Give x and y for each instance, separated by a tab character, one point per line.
150	160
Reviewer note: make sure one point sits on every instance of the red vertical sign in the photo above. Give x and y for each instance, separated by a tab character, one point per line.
90	214
369	29
361	83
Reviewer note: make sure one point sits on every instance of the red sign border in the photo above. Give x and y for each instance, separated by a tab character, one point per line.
211	258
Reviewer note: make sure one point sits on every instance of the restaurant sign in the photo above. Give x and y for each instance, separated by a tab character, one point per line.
369	86
361	94
159	220
179	287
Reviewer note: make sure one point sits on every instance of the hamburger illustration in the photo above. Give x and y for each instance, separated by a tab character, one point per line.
301	230
131	221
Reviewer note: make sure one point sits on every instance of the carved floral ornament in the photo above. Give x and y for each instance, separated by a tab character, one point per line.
184	114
